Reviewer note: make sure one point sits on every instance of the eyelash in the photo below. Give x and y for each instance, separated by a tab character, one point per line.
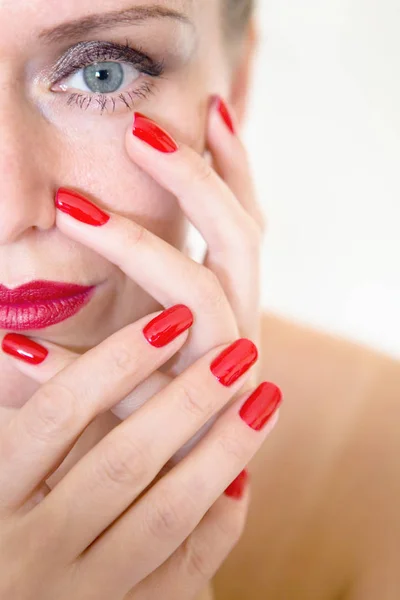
102	101
86	53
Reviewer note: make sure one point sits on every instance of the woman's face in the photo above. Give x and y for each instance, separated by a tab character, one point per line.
62	123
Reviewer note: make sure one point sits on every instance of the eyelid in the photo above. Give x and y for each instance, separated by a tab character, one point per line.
84	54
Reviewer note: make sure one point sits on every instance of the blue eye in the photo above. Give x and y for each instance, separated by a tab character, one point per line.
105	74
102	78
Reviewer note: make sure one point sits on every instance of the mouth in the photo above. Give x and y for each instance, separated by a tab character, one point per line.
39	304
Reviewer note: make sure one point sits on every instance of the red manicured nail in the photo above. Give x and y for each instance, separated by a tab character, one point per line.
237	487
22	347
80	208
151	133
224	111
234	361
261	405
168	325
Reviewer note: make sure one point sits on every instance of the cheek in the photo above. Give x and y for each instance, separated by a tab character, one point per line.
92	156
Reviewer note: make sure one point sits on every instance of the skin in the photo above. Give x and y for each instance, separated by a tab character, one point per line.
333	436
139	263
323	519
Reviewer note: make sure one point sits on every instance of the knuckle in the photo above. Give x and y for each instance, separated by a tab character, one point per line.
209	279
198	559
203	171
201	559
123	358
123	462
55	410
169	515
232	528
232	447
209	290
253	234
194	400
133	234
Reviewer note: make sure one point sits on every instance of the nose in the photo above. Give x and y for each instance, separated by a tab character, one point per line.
26	196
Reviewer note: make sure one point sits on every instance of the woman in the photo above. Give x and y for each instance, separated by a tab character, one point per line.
138	384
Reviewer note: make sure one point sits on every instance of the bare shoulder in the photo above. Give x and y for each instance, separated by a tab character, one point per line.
326	484
317	353
207	594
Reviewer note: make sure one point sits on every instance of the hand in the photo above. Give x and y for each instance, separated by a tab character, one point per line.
112	241
221	204
102	532
225	294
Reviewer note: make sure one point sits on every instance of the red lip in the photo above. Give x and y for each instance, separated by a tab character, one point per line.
39	304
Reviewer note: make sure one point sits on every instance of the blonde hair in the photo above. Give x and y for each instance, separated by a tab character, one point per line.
236	15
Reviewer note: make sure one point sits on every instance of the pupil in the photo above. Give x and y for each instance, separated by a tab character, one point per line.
102	74
103	78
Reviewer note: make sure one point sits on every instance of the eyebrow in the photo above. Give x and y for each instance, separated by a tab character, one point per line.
136	14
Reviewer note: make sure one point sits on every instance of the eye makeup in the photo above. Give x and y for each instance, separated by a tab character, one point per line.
84	54
101	56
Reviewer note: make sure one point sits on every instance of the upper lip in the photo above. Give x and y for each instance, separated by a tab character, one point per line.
39	291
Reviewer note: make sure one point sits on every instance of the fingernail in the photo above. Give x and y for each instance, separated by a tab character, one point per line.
225	113
237	487
261	405
168	325
80	208
22	347
151	133
234	361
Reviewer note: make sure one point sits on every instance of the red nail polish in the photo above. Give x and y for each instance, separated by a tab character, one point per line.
168	325
237	487
234	361
24	348
151	133
261	405
224	111
80	208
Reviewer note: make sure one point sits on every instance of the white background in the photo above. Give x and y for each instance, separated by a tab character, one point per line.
324	139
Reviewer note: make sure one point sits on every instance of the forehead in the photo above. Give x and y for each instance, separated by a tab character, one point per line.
23	22
50	12
32	31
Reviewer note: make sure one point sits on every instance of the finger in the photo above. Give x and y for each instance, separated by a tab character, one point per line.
164	517
124	463
35	357
231	160
203	196
27	351
6	415
47	426
233	237
240	276
186	573
159	268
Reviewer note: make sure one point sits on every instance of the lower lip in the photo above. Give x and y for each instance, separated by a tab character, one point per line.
38	315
